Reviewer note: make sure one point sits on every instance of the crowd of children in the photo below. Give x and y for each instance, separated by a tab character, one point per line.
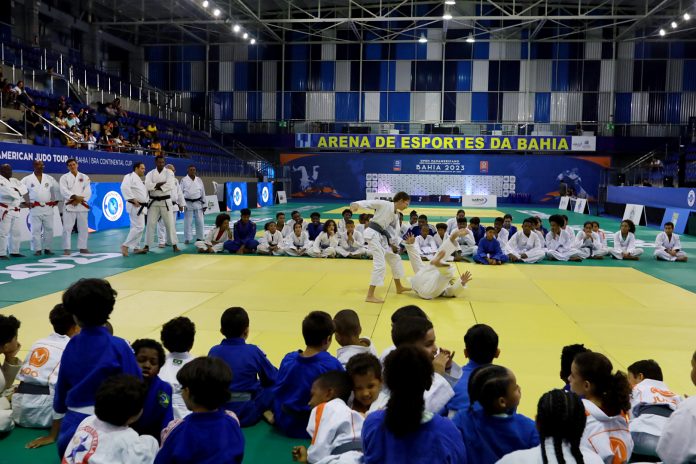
497	244
107	401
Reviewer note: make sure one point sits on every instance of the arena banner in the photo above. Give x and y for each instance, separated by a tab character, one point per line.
264	195
21	157
538	143
236	195
539	178
654	196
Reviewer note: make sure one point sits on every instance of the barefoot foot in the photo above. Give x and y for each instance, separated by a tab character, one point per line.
373	299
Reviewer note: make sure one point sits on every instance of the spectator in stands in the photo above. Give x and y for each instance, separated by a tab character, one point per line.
60	120
75	138
86	118
115	129
169	147
105	143
62	105
140	129
156	147
181	150
18	94
110	112
137	144
151	129
117	107
88	139
33	122
72	121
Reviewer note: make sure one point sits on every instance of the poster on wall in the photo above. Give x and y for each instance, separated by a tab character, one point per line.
351	175
107	207
264	194
236	193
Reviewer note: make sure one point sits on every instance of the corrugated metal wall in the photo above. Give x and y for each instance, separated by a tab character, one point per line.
491	81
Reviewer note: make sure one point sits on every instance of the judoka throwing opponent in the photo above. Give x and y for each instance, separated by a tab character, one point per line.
382	241
437	278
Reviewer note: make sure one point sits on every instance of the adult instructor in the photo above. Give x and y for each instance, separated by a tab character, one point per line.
383	241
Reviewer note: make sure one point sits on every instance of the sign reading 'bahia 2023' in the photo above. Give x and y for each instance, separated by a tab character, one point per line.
536	143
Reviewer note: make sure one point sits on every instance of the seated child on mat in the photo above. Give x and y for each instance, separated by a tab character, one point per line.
347	335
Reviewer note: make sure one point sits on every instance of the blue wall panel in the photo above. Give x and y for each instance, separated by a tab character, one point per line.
253	106
297	52
542	107
481	50
347	106
296	76
673	108
479	107
449	109
428	76
226	102
399	106
193	53
509	76
404	51
181	76
241	76
328	75
559	80
591	72
383	106
157	74
458	76
689	81
622	112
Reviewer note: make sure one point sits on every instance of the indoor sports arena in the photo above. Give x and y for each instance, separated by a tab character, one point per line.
347	231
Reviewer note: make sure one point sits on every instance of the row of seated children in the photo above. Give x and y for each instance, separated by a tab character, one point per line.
310	396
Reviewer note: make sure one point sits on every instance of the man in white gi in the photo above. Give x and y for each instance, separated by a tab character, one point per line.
383	242
178	204
10	198
194	195
134	191
668	245
560	243
76	191
10	211
43	191
526	245
161	185
437	278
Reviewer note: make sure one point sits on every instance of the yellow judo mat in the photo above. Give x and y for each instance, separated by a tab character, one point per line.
435	212
536	310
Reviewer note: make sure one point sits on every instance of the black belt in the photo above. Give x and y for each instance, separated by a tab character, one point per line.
195	199
154	199
142	207
346	447
33	389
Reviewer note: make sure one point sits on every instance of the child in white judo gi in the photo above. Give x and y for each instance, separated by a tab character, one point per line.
560	243
326	243
271	242
351	242
217	236
335	428
297	243
426	244
526	245
106	437
625	242
668	245
347	335
177	336
9	347
365	371
589	244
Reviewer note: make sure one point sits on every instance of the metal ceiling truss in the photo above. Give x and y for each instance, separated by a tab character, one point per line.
288	21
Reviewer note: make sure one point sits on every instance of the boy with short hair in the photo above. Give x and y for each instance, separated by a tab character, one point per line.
481	348
652	402
568	353
477	229
467	242
210	434
90	357
489	250
106	437
315	227
560	243
351	242
244	235
289	226
526	245
297	372
425	243
668	245
347	335
32	403
254	375
501	233
177	336
157	411
422	224
347	215
280	221
441	235
335	428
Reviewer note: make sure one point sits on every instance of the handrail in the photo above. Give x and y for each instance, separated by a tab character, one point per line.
50	123
641	160
14	132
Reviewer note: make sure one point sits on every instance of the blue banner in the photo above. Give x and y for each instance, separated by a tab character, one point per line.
236	195
107	207
21	158
535	143
659	197
264	195
350	176
677	216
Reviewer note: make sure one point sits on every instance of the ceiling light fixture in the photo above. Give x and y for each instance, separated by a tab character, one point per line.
253	42
236	28
423	39
447	16
674	24
687	16
216	12
205	3
245	36
662	32
470	39
449	2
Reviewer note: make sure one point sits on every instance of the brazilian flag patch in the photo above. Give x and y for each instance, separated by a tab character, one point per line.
164	399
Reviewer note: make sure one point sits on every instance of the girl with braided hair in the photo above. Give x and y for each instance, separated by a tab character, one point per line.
405	431
561	421
607	400
491	427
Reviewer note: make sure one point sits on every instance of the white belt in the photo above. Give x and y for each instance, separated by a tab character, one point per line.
88	410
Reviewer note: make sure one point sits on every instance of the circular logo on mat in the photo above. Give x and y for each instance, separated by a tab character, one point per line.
112	206
691	198
264	194
237	196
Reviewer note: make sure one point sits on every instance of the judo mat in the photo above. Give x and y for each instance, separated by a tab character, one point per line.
627	310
